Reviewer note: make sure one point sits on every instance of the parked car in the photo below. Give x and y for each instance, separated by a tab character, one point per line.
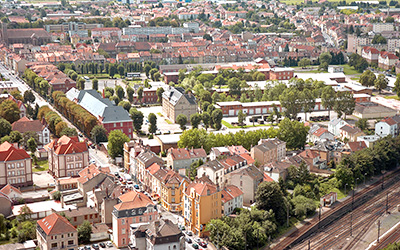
188	240
189	233
95	246
136	186
203	244
195	246
109	244
102	245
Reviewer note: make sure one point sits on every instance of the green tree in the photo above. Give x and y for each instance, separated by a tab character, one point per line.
116	140
99	134
121	70
80	83
57	195
5	127
381	82
129	93
182	120
290	100
241	117
305	62
32	145
69	132
119	91
328	98
294	133
269	196
307	102
234	86
191	172
147	69
159	93
140	94
84	231
379	39
15	136
9	111
29	97
153	123
303	206
345	103
362	123
137	118
324	60
95	84
397	85
216	118
367	78
195	120
112	69
125	104
205	116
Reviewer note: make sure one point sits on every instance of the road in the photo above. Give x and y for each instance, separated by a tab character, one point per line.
97	155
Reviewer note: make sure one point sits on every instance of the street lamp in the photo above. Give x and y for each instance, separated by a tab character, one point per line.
345	188
365	174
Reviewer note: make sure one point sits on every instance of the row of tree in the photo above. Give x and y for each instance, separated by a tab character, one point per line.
82	118
293	133
40	85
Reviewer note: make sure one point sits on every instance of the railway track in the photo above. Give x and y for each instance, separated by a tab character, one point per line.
362	218
388	239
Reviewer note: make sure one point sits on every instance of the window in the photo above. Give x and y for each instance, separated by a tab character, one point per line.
123	231
53	245
70	242
123	221
85	217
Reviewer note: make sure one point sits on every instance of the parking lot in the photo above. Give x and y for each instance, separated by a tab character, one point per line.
107	245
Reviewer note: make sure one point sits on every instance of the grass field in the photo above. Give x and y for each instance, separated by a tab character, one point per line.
43	166
349	70
395	97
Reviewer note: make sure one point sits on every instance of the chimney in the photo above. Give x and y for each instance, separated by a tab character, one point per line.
104	96
62	201
93	190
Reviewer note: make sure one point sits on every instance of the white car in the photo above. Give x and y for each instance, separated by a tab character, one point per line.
109	244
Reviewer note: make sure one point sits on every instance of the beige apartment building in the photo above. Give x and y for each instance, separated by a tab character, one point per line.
67	156
269	150
15	166
175	102
56	232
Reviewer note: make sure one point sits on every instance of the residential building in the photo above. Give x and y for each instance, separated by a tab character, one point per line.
369	139
178	158
381	27
388	126
7	86
56	232
277	170
110	116
317	133
20	104
334	125
269	150
160	234
217	170
172	188
175	102
133	209
13	193
140	164
312	159
24	125
15	166
202	203
36	36
67	156
247	180
80	214
231	198
370	54
6	205
387	60
354	146
350	132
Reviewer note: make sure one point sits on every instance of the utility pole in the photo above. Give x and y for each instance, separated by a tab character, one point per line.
379	229
351	223
287	215
387	202
309	245
319	217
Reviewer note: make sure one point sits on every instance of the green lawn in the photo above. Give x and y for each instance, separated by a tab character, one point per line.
349	70
43	166
228	125
98	76
395	97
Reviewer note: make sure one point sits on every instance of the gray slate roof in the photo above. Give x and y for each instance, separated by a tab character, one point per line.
175	94
101	107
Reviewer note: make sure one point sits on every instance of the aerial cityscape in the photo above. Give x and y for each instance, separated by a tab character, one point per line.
190	124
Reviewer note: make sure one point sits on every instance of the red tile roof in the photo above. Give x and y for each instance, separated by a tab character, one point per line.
356	145
267	178
9	153
248	158
24	125
67	145
320	131
183	153
230	192
132	200
56	224
201	188
91	171
7	189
